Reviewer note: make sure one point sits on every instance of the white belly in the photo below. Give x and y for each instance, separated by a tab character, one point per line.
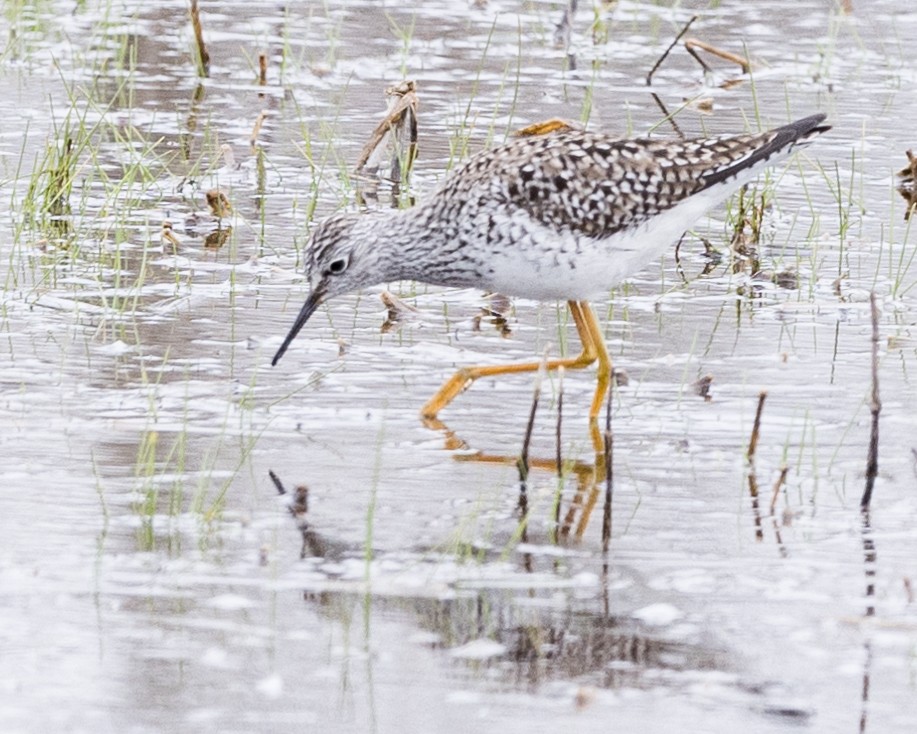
549	264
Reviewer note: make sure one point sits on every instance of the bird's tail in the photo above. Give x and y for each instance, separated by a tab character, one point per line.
780	141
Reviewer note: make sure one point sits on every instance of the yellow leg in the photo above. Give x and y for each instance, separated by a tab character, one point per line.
603	372
590	335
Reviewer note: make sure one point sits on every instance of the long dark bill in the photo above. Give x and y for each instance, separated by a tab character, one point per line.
312	302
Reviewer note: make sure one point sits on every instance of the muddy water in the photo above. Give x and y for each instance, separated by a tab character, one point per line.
152	579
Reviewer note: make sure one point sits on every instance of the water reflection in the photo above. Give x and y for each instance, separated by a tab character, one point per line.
151	582
536	644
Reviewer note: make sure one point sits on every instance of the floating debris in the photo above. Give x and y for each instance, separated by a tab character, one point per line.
584	697
547	127
702	387
394	141
495	314
398	310
694	45
788	279
216	226
908	187
229	157
218	238
218	203
298	501
168	235
256	130
703	105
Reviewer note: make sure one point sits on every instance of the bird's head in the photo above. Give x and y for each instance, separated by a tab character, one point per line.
338	260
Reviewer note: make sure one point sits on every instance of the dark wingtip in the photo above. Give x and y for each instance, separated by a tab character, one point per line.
808	126
782	139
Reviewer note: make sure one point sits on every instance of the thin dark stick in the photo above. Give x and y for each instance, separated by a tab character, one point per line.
755	503
523	462
752	476
560	416
875	407
870	556
262	69
781	546
755	431
775	492
277	483
649	77
864	689
667	115
781	480
203	58
870	563
523	465
609	474
559	455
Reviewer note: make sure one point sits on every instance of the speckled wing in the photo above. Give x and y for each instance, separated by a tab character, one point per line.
596	185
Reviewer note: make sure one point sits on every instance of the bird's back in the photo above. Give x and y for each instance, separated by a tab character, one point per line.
594	184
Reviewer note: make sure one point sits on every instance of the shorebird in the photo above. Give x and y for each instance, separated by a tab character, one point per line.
561	216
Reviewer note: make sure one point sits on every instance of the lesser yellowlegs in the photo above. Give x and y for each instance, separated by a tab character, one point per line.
563	216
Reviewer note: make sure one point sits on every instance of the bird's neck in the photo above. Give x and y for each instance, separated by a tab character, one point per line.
407	242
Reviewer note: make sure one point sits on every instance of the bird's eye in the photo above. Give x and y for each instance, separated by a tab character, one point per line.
338	266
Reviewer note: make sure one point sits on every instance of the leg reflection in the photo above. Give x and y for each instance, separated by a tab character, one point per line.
588	475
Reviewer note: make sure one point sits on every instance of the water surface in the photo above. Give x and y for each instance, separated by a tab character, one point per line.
151	578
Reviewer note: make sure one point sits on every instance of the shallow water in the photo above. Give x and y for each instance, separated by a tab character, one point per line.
152	580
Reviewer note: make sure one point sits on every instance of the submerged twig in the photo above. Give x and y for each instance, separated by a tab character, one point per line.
523	462
870	556
755	503
560	418
781	480
752	474
756	429
558	453
870	565
607	444
262	69
299	506
875	407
